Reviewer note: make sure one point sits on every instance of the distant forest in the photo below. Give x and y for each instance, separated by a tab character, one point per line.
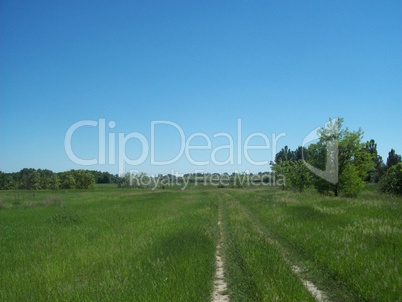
32	179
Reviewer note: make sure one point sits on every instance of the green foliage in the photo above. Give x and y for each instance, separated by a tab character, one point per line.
297	175
285	154
28	179
124	181
67	180
54	182
391	181
103	177
332	157
32	179
83	179
349	150
324	187
300	177
379	167
77	179
393	158
7	181
350	181
137	181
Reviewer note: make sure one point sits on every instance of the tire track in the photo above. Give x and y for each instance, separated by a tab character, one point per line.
220	293
319	295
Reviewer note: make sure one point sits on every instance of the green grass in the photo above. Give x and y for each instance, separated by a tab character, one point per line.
109	246
256	269
114	244
350	247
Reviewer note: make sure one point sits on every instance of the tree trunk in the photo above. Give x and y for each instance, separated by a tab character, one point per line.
336	190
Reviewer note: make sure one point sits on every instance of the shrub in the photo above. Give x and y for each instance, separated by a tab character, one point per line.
350	181
67	180
391	181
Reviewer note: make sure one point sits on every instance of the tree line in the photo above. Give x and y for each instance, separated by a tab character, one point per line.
42	179
342	163
348	163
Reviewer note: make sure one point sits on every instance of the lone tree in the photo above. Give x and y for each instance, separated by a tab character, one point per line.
351	158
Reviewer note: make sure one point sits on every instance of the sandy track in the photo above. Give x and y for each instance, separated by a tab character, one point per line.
320	295
220	293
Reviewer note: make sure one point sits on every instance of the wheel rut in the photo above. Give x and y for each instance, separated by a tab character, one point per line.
319	295
220	293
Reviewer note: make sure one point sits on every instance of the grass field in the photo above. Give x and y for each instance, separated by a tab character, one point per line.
114	244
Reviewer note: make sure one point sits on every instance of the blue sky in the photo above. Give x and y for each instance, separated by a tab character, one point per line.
279	66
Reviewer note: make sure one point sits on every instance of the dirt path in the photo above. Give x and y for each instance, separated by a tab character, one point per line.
220	293
318	294
310	286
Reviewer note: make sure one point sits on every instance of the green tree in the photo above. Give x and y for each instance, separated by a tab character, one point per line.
67	180
391	181
34	181
24	178
54	182
105	178
282	168
29	179
379	167
83	179
350	181
296	174
76	179
124	181
7	181
299	175
340	148
285	154
393	159
45	178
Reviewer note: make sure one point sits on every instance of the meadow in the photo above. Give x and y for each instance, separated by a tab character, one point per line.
113	244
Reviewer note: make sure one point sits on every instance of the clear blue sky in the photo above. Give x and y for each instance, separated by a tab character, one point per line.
279	66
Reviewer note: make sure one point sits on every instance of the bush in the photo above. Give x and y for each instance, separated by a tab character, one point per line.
67	180
300	177
350	181
83	179
124	181
391	181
